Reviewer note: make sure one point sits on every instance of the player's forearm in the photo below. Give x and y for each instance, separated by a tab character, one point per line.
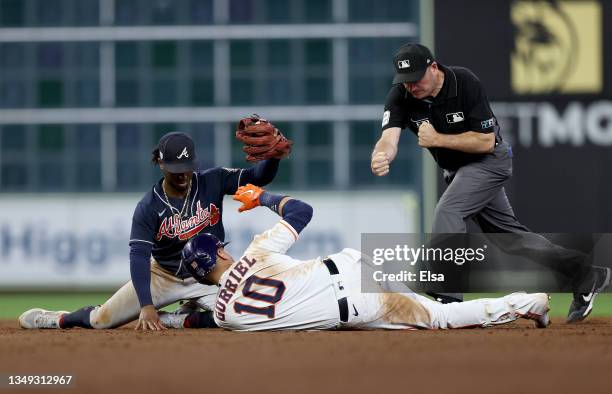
140	271
261	173
295	212
468	142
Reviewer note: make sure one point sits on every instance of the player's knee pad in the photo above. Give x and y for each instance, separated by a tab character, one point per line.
101	318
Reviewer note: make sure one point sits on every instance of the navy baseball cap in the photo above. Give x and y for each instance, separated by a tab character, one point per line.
410	62
177	152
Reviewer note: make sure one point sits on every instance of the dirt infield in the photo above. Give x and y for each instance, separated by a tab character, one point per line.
511	359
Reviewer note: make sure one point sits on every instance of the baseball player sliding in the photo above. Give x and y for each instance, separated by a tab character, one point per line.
268	290
183	203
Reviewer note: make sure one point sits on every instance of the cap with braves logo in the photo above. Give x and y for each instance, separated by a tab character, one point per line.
410	62
177	152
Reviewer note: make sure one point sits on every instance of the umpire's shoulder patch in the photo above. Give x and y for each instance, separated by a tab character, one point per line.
485	124
386	116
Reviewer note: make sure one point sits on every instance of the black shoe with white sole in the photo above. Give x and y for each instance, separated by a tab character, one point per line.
582	305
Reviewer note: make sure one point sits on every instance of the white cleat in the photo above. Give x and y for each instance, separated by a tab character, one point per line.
543	321
187	307
172	320
40	318
531	306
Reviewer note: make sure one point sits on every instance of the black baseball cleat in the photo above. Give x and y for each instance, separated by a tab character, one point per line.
583	302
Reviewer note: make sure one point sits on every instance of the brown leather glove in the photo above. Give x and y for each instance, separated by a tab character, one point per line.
262	140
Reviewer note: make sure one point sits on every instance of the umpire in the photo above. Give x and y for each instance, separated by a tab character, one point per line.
447	108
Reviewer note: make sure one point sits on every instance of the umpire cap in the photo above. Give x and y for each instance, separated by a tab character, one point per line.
410	62
177	152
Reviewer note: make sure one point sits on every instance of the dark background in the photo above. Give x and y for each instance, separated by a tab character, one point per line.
558	189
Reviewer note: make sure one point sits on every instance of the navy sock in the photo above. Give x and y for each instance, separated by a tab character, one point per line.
200	320
79	318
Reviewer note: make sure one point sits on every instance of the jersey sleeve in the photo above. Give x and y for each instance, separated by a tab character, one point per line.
393	115
278	239
222	179
480	117
143	225
260	174
229	179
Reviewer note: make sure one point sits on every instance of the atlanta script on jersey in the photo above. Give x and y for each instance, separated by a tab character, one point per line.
158	223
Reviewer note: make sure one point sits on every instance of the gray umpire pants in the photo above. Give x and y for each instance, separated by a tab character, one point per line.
476	191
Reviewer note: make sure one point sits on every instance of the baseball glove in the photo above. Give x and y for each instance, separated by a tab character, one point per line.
262	140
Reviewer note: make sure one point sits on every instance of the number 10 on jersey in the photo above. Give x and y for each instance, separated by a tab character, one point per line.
249	290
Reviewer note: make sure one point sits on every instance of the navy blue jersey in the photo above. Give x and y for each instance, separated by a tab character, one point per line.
156	221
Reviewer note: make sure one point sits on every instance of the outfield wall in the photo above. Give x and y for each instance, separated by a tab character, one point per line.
81	241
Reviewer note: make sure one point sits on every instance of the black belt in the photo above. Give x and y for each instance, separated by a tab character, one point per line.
342	302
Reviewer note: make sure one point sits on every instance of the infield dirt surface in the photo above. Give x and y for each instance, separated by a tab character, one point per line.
511	359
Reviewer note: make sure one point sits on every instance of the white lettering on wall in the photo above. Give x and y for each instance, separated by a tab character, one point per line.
542	123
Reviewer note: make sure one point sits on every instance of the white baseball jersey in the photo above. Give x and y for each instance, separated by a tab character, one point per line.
268	290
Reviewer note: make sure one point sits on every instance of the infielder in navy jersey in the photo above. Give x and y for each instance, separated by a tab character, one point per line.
185	202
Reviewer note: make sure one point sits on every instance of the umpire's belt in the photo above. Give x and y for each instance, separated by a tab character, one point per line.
498	138
338	289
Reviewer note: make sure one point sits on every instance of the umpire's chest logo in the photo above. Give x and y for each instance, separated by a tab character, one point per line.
455	117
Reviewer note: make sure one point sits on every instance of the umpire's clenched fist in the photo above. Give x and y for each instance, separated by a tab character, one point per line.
428	136
380	163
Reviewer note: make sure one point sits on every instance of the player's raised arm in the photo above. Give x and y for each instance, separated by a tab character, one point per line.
294	212
265	145
260	174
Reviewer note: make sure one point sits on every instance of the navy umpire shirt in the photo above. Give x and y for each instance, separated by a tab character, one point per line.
460	106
